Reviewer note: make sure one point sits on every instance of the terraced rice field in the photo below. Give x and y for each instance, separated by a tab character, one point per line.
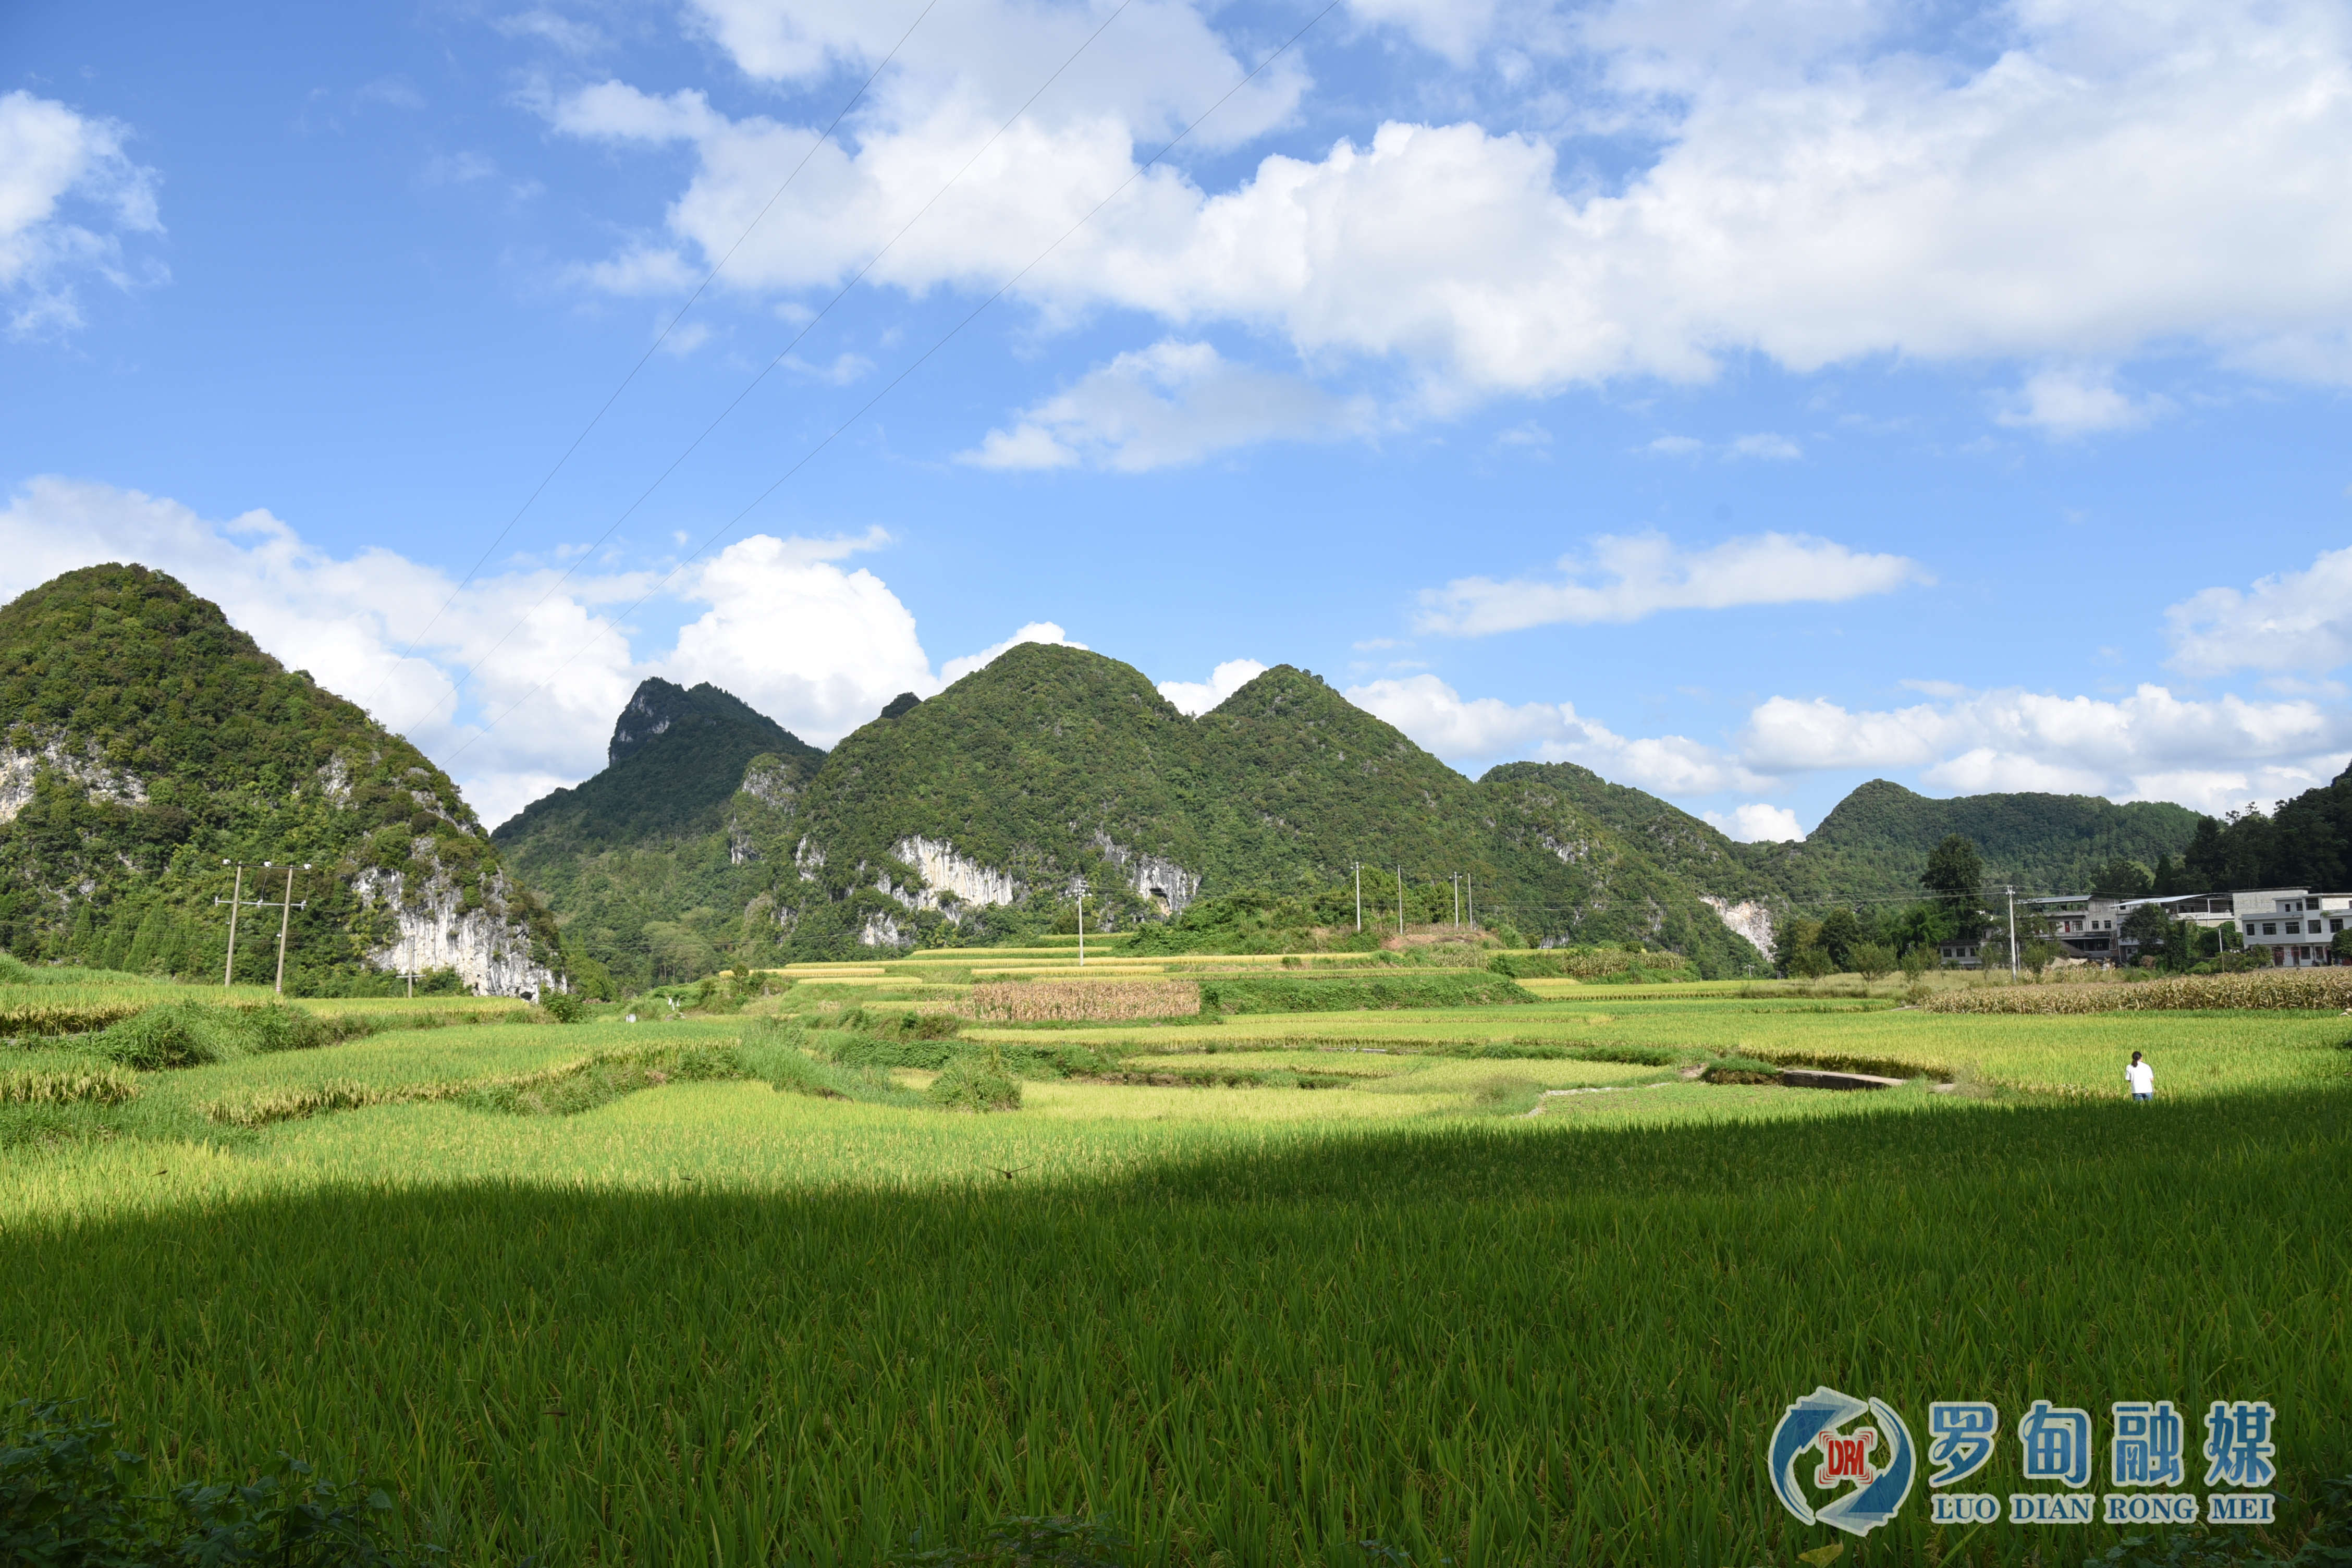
1393	1317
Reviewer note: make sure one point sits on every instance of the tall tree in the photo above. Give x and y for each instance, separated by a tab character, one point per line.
1841	934
2122	879
1954	874
2208	862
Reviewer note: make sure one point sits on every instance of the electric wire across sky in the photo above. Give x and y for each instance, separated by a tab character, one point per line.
807	327
609	622
549	477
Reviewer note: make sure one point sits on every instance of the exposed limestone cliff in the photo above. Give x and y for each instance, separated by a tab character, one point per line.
486	945
20	766
1747	918
945	871
1164	882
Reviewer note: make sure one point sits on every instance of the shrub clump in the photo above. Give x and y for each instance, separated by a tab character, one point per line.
66	1496
192	1034
973	1083
1741	1070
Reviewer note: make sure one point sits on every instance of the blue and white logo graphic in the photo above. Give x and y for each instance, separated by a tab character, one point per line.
1876	1462
2057	1441
2147	1451
2238	1448
1960	1435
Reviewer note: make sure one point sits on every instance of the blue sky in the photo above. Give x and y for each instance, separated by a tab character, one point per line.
1743	399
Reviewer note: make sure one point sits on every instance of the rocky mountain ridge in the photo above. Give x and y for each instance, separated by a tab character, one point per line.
145	743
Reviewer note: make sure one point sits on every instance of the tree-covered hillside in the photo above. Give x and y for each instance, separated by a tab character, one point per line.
651	863
2305	842
1678	842
1874	843
144	740
972	816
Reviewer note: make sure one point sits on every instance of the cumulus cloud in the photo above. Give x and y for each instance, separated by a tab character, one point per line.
786	626
1756	823
1195	698
955	669
2294	620
1171	404
1487	729
2063	402
2151	745
1823	189
791	631
68	195
1625	578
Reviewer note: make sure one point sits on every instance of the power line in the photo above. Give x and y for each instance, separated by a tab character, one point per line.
823	137
953	333
782	355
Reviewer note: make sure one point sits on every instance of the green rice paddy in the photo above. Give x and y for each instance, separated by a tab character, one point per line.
1393	1318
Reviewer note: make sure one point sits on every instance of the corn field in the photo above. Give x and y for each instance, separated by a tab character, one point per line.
2262	989
1082	1001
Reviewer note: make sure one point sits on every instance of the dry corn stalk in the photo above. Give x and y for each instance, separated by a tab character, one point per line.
1082	1001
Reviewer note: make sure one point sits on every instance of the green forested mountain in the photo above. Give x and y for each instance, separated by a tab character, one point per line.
1710	860
144	740
1872	845
652	862
972	816
676	757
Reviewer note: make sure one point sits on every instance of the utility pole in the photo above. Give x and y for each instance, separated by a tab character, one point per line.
1400	871
2012	933
237	897
284	918
1082	922
1470	889
1360	898
1455	879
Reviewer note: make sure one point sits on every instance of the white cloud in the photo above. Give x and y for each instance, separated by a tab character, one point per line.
2150	745
2071	401
1626	578
612	111
67	196
1487	729
1756	823
1171	404
955	669
1195	698
1765	444
2112	177
816	647
785	626
572	38
2294	620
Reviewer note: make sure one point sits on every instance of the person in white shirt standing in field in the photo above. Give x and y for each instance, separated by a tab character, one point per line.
2142	1078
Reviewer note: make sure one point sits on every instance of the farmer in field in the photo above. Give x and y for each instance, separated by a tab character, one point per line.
2142	1078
